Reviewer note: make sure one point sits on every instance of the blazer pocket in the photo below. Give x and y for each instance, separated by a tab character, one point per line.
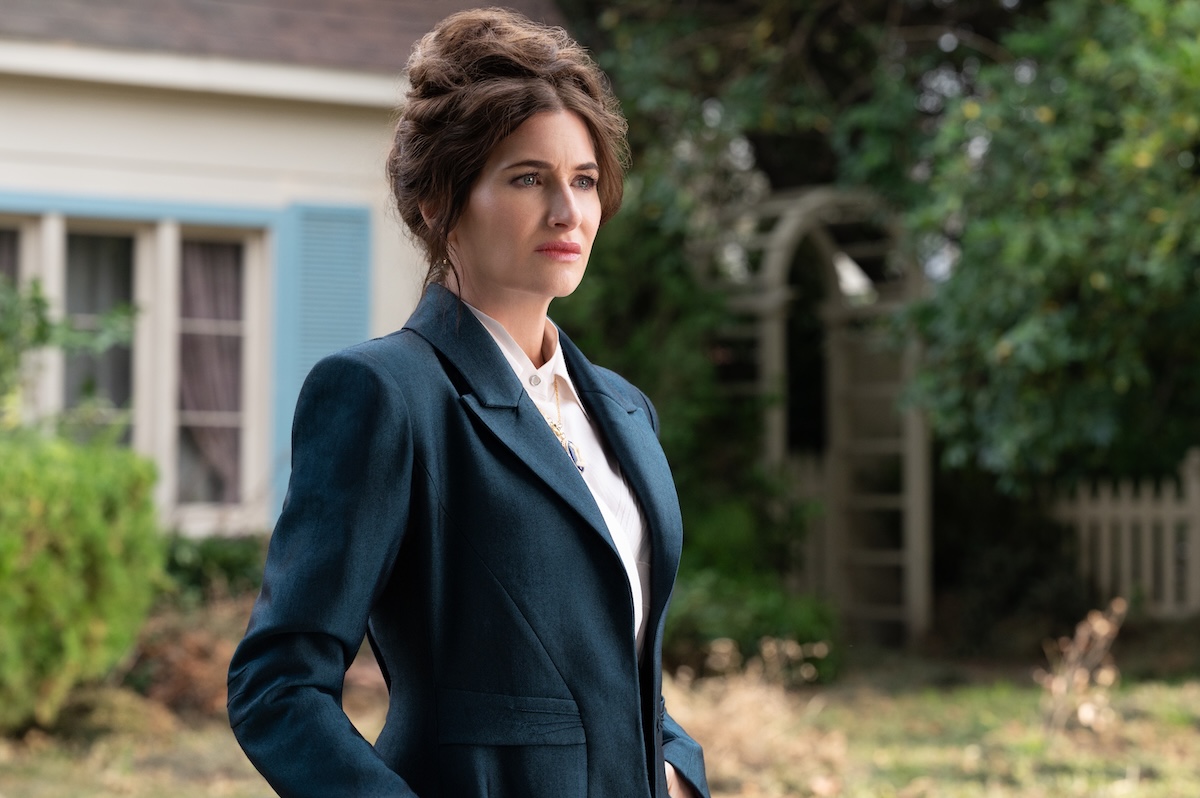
471	718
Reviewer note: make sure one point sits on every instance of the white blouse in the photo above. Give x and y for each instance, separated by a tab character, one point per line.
600	471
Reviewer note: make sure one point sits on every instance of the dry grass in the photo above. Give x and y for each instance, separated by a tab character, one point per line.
757	737
911	729
131	747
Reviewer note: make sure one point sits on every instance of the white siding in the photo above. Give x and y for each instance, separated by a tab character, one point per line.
74	138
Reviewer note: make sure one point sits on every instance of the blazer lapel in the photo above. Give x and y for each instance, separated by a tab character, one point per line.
631	436
494	395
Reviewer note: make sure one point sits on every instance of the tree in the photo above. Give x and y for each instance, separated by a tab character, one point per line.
1052	163
806	82
725	101
1062	186
26	326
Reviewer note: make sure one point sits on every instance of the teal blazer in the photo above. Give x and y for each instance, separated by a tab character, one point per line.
431	508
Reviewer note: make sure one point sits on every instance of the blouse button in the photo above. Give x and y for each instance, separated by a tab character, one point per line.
535	380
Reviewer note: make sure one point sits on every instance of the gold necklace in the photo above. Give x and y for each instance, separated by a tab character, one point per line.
557	428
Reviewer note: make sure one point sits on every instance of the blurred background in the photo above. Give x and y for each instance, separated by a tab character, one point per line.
914	285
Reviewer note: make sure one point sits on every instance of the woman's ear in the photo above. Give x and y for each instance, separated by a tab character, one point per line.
425	214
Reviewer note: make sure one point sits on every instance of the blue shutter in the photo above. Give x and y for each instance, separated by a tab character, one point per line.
322	304
333	271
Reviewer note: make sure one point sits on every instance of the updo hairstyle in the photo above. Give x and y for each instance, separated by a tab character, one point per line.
474	79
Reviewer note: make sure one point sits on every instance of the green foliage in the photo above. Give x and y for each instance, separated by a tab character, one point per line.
719	95
741	540
1007	577
26	325
204	568
641	313
708	606
731	587
643	309
697	83
1066	181
80	560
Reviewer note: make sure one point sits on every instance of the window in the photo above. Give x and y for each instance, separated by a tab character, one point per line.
8	254
191	391
211	333
99	279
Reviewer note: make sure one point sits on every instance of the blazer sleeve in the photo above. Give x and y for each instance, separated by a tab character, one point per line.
333	547
684	754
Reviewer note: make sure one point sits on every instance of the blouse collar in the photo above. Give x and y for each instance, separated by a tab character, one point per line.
539	382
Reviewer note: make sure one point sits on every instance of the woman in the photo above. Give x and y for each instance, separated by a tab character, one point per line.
493	511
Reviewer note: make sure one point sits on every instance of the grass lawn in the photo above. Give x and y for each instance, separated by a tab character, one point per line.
892	726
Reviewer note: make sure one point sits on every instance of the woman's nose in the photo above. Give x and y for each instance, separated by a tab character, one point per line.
564	209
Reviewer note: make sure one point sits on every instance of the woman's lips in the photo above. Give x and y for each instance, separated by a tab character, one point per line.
561	250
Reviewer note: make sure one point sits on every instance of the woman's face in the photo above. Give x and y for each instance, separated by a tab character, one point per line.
526	232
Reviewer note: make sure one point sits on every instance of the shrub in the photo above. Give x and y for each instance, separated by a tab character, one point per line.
80	560
1006	575
182	657
715	621
216	567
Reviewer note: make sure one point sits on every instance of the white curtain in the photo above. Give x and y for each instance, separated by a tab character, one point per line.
210	373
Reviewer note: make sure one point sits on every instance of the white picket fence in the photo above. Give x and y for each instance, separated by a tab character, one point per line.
1141	540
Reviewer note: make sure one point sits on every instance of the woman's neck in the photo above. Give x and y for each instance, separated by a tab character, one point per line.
530	333
525	322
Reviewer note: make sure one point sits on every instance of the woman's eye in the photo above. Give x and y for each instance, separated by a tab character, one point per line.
527	180
586	181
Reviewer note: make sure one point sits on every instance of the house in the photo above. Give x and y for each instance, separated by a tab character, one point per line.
219	166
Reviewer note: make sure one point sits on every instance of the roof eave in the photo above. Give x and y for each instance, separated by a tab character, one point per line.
214	75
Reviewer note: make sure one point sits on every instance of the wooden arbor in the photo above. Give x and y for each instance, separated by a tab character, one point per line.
870	552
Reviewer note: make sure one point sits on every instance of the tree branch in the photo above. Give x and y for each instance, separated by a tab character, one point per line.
981	44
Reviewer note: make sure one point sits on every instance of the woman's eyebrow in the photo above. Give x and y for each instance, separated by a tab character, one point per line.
590	166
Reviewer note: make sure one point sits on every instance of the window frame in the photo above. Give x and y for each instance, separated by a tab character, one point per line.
157	256
252	512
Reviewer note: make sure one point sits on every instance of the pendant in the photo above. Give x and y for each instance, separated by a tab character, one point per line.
568	446
573	453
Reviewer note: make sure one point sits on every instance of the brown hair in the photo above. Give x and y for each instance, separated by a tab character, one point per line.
474	79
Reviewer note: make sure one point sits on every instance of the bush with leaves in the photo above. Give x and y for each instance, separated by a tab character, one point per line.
718	622
214	568
80	560
80	551
1064	183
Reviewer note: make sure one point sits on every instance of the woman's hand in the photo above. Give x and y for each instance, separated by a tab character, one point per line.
677	787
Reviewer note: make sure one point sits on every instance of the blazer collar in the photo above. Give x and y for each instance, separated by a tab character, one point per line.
444	321
447	324
491	391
